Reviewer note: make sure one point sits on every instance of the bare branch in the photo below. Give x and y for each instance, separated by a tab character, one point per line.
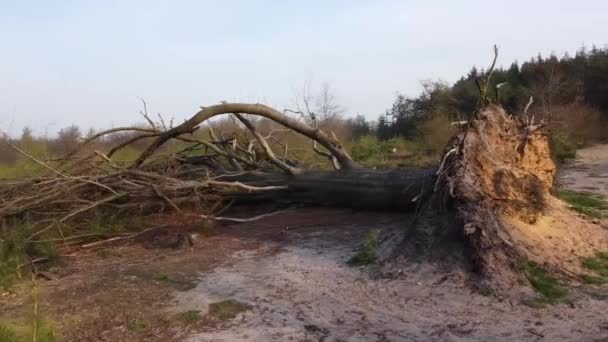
249	219
145	113
166	199
162	121
59	172
530	101
334	147
271	156
76	212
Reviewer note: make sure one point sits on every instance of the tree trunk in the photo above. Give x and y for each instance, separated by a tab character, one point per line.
398	189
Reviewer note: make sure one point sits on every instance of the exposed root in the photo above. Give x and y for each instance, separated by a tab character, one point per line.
501	179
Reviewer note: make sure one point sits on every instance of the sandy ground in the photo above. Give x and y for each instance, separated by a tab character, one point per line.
306	292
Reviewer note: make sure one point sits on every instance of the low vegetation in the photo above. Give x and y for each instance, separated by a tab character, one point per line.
8	334
544	283
227	309
17	250
367	253
598	264
33	326
585	203
189	317
137	325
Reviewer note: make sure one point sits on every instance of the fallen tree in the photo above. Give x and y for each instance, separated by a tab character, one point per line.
495	180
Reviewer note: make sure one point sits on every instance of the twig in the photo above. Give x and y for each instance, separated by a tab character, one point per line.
247	187
76	212
249	219
145	113
162	121
489	73
118	238
440	169
59	172
170	202
33	261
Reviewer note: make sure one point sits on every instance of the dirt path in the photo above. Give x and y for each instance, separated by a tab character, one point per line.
589	172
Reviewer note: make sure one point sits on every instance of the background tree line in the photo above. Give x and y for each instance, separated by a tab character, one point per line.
570	93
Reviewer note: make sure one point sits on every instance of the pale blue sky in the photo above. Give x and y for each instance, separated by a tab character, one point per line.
84	62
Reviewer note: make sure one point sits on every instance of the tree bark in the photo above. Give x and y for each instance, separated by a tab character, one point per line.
399	189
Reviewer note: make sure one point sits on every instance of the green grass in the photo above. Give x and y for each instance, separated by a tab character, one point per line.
8	334
396	152
137	325
31	321
585	203
160	276
367	254
227	309
593	280
189	317
16	250
599	264
544	283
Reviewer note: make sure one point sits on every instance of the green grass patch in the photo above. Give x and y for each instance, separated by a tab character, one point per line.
544	283
598	263
16	251
8	334
367	254
592	280
227	309
137	325
30	325
189	317
585	203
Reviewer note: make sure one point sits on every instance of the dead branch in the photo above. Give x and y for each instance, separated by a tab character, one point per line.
76	212
121	238
333	146
249	219
58	172
269	153
144	113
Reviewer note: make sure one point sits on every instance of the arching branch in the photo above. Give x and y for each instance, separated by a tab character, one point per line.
331	144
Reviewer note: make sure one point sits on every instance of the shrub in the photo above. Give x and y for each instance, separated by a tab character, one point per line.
435	133
562	148
367	254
